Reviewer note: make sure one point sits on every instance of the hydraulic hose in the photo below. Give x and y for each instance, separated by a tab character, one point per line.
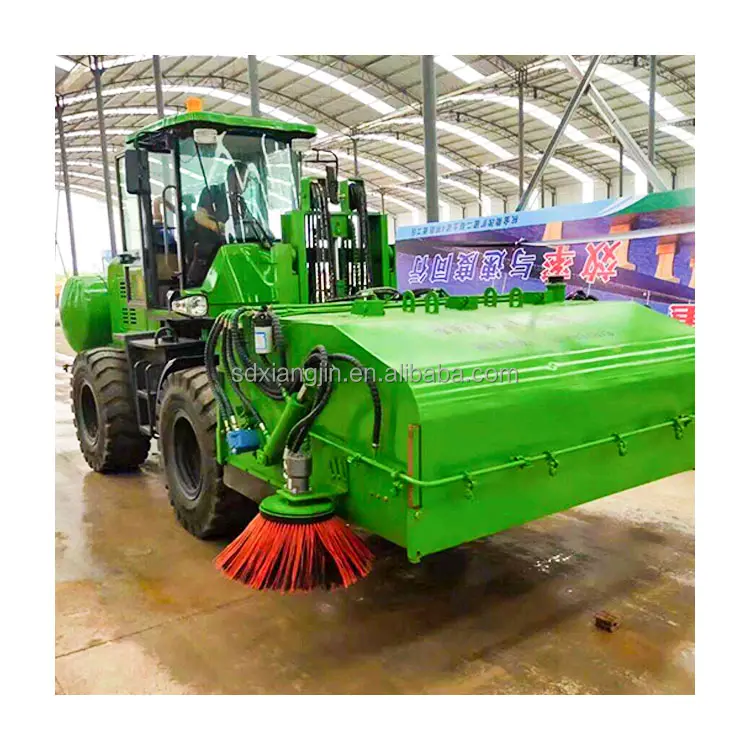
225	407
386	293
320	358
377	406
228	337
317	357
230	361
358	202
322	245
271	389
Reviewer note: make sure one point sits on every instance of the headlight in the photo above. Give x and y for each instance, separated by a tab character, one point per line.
196	306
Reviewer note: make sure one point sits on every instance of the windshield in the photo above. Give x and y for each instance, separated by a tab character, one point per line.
238	187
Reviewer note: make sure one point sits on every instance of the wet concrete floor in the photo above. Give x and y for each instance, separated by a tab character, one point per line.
140	609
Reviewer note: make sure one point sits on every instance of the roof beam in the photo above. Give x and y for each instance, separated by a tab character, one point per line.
493	127
555	66
337	62
230	85
549	152
685	85
616	126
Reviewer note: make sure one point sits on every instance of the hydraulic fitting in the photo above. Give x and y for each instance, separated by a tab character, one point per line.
294	410
297	469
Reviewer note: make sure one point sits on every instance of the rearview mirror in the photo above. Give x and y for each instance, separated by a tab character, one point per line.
136	172
300	145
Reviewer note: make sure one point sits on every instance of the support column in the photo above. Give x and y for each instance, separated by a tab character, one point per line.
355	155
616	126
429	116
158	86
97	73
254	89
549	152
479	189
622	172
651	112
66	183
521	145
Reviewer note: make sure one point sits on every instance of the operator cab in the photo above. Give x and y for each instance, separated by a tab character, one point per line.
196	181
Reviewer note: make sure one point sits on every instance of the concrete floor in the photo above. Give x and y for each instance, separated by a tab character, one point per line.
140	608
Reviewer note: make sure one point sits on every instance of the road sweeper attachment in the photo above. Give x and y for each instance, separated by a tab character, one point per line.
251	323
432	422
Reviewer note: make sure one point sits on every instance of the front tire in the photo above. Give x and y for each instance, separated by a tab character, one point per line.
104	412
187	437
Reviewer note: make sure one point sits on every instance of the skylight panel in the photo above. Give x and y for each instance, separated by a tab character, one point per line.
469	135
444	206
328	79
411	146
684	135
85	188
502	174
90	133
376	165
116	62
64	63
459	68
92	114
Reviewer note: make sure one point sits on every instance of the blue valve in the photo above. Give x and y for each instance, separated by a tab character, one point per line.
241	441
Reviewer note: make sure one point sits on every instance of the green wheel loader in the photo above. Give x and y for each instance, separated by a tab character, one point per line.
251	323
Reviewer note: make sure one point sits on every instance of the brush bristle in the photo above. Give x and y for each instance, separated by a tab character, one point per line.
284	556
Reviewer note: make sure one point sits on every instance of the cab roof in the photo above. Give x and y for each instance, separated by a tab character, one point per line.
228	121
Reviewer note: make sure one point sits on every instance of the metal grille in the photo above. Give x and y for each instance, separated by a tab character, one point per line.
129	317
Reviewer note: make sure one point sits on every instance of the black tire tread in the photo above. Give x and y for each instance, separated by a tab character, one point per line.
125	446
227	511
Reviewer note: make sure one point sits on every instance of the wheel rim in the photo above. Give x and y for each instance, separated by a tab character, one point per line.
187	457
88	413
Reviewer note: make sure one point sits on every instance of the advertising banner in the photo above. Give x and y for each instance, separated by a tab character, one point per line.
639	248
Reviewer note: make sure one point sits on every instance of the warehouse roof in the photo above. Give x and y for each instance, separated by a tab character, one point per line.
375	100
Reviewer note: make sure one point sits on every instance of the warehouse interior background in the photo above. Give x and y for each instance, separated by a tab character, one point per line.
435	138
714	31
480	170
495	115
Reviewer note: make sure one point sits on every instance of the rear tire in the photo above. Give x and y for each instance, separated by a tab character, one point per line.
187	437
104	412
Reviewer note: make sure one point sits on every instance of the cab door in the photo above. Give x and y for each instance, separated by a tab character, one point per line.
166	269
131	257
149	224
